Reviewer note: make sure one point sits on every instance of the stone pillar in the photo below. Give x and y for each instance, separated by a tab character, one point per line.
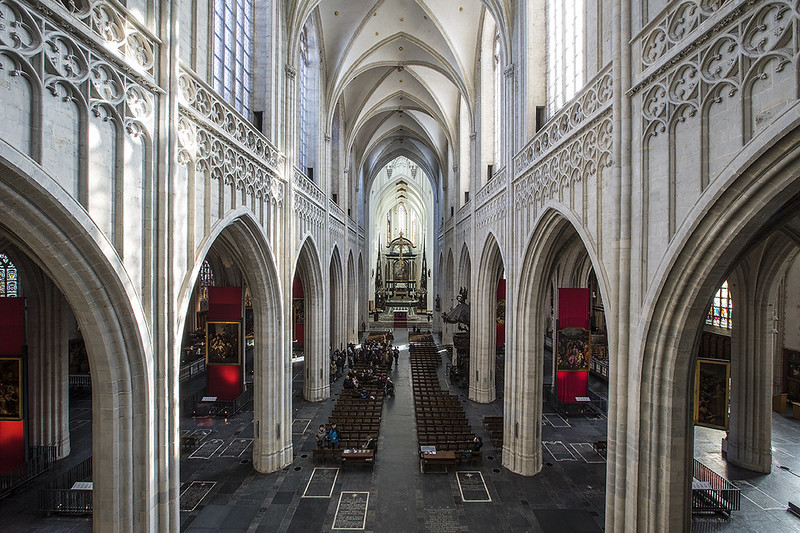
47	336
750	430
482	344
316	385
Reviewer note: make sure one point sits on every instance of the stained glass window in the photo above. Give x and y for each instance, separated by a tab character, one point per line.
205	280
564	52
305	83
9	283
720	312
233	46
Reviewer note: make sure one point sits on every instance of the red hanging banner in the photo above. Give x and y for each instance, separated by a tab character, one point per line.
12	381
573	348
223	346
500	337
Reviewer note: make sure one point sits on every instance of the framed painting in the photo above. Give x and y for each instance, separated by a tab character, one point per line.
711	393
223	343
11	388
574	350
299	309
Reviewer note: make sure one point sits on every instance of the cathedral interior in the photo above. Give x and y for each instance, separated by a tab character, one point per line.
567	232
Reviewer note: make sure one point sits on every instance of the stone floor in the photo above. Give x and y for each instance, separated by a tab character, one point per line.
221	491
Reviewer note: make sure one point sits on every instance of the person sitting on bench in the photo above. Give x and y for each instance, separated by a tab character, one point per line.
321	436
477	444
369	444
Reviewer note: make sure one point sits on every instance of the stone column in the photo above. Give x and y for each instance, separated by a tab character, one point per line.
482	343
47	336
750	430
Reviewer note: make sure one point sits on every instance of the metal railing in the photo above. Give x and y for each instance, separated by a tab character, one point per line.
597	405
81	382
190	370
712	493
60	497
40	459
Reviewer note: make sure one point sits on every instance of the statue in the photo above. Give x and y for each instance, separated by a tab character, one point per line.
438	303
460	313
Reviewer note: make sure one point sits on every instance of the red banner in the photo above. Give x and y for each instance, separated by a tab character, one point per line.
12	338
12	444
225	304
298	311
500	337
12	325
573	312
571	385
573	308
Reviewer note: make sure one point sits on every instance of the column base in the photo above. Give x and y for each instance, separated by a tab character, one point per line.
482	395
524	465
317	394
272	461
757	460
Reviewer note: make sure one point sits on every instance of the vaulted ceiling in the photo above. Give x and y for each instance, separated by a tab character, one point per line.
394	70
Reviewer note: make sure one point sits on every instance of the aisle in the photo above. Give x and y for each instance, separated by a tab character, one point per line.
397	467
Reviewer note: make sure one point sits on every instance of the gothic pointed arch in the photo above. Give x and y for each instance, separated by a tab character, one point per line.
752	200
241	240
316	385
59	236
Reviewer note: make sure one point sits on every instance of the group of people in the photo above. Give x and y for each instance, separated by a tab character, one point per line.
370	354
330	438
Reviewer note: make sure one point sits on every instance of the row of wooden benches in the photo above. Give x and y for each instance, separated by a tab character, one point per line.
441	421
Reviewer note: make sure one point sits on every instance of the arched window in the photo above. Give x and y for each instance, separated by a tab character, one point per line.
720	312
564	52
308	112
233	52
498	76
9	284
205	280
304	97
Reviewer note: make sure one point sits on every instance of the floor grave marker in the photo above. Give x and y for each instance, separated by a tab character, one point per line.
557	421
321	482
207	449
236	448
194	494
351	512
472	486
587	452
300	425
559	451
442	520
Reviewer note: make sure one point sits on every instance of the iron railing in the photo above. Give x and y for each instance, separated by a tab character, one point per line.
712	493
190	370
60	497
40	459
596	405
80	382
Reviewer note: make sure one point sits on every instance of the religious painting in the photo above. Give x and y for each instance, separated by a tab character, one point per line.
574	350
501	312
711	393
11	388
223	343
401	270
298	307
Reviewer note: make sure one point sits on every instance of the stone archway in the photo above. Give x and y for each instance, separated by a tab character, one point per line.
241	240
556	238
131	460
337	304
316	385
742	210
483	328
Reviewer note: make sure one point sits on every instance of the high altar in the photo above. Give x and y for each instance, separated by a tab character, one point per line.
401	269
